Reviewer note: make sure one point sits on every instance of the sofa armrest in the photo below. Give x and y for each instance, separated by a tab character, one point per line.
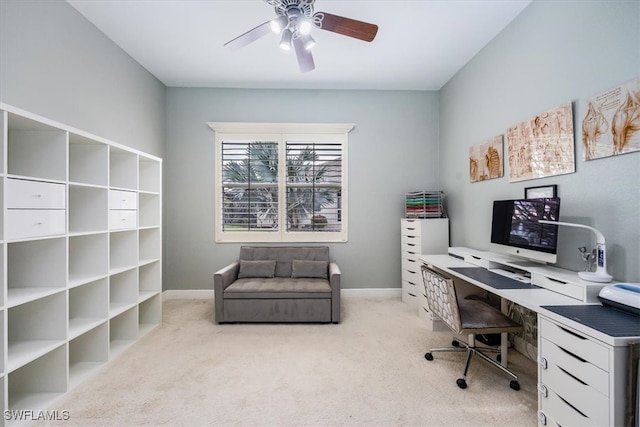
334	281
221	280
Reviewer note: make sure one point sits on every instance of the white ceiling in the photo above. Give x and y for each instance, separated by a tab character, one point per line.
420	44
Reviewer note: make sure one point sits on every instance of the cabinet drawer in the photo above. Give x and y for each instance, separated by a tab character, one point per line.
569	289
411	240
412	248
413	265
576	343
409	297
119	219
24	194
412	276
119	199
563	413
585	399
410	226
25	223
555	354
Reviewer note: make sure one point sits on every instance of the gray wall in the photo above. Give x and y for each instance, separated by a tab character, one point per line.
393	149
58	65
554	52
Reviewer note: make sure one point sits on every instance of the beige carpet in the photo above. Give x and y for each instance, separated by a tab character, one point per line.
367	371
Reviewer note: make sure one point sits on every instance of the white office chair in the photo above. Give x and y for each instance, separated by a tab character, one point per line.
465	316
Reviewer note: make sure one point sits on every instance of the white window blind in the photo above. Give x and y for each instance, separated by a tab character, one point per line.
289	186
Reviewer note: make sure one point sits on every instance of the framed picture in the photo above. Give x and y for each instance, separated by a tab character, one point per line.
544	191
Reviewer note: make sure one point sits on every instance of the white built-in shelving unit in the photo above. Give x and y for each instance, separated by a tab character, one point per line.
80	245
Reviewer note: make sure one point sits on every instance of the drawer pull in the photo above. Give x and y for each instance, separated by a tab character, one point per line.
543	363
543	390
572	376
542	418
38	195
572	355
556	280
572	333
413	295
573	407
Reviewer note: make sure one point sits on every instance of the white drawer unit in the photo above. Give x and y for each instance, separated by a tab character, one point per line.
119	199
27	223
420	236
122	219
123	212
25	194
577	381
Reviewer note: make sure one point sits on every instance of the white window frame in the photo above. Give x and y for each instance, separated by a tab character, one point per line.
280	132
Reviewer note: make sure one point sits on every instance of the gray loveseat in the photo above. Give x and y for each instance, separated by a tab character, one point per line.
278	284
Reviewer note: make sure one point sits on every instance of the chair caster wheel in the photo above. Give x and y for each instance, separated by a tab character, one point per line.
514	385
461	383
428	356
455	343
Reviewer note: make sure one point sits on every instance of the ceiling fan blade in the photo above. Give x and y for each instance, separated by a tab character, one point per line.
250	36
345	26
305	58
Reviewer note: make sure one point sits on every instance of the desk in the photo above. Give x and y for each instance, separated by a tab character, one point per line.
582	372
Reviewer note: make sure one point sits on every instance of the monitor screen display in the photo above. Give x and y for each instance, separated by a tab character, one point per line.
515	228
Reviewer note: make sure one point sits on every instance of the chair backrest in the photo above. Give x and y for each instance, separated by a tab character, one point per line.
441	297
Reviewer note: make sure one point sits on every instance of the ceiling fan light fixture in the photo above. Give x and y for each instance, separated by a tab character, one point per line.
278	24
304	26
285	41
308	42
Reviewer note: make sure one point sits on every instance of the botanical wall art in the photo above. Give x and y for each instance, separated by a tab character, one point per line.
485	160
542	146
611	122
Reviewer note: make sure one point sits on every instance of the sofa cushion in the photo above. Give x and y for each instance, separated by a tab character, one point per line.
284	255
278	287
310	269
248	268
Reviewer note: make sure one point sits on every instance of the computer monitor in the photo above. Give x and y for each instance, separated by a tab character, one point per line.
515	229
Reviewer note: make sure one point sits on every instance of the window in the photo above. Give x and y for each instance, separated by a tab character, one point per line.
280	182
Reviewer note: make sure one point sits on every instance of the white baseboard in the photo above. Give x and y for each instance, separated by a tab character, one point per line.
345	293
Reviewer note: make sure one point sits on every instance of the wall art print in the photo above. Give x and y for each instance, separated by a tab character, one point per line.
542	146
485	160
611	122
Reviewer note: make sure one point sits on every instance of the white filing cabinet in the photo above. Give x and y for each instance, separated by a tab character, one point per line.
581	380
420	236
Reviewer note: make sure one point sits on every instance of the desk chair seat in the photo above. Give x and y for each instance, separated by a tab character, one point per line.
466	316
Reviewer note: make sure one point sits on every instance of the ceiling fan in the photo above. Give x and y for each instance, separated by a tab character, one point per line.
294	21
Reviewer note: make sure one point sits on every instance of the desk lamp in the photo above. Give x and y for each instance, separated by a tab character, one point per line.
600	275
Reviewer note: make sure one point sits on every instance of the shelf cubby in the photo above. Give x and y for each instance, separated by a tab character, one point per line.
150	245
123	167
36	328
88	258
149	282
149	314
123	292
87	353
88	307
88	161
149	210
150	178
88	209
36	385
123	250
123	331
35	269
36	149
